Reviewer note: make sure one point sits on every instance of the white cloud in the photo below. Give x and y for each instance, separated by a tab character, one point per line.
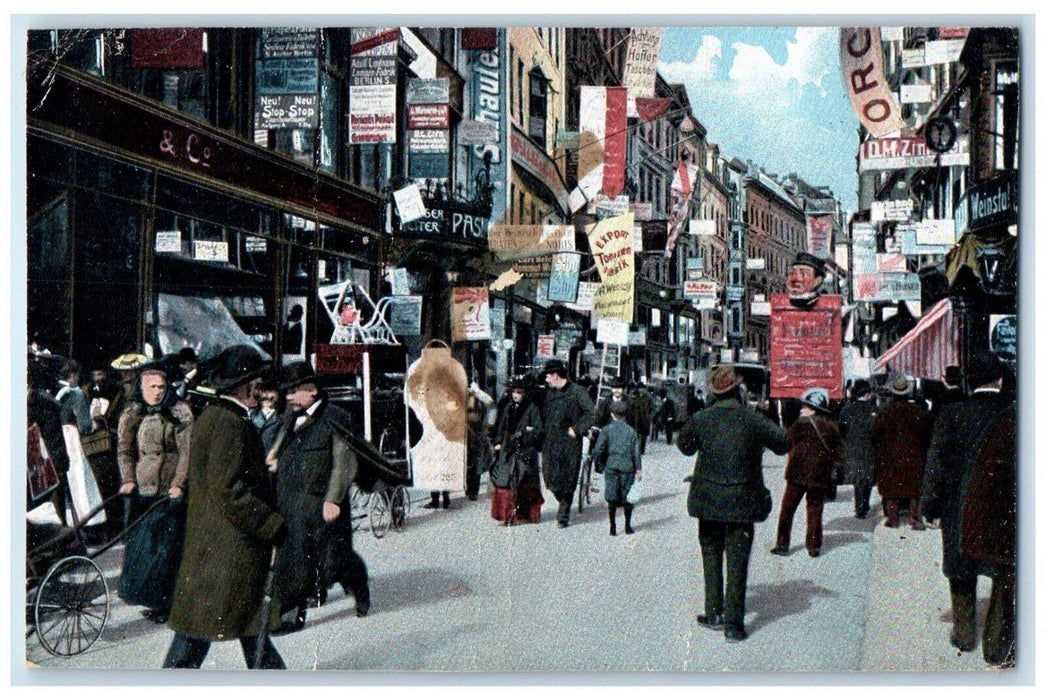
754	72
703	67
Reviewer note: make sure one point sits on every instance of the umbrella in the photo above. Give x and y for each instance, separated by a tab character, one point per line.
263	613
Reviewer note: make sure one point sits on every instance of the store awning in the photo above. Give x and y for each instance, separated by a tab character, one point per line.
927	349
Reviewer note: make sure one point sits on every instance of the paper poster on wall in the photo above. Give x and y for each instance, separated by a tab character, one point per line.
470	314
806	347
405	315
436	393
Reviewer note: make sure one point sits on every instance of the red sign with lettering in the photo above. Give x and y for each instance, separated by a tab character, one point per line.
348	358
806	347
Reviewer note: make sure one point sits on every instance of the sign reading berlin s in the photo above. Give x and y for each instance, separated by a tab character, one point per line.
861	59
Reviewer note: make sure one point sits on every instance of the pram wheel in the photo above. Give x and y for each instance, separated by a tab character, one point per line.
380	514
72	606
400	507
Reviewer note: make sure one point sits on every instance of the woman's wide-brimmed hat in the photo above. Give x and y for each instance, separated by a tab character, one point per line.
129	361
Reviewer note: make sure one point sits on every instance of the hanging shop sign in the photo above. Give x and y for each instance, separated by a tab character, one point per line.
910	243
470	314
255	244
428	91
734	292
617	206
286	111
477	133
864	248
612	331
701	289
909	152
489	83
512	242
806	347
610	241
347	358
936	232
760	308
166	48
913	58
372	90
287	42
887	286
861	60
993	203
644	47
892	210
428	116
409	204
563	280
429	152
943	51
586	297
819	235
702	227
695	268
1002	336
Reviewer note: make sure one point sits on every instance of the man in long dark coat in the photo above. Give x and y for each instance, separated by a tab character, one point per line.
727	494
855	425
231	525
315	466
568	416
900	436
957	437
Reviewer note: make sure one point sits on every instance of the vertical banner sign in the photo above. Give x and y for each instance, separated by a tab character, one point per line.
563	280
372	90
604	140
616	141
470	314
819	235
610	241
436	392
861	61
644	47
679	203
806	347
489	85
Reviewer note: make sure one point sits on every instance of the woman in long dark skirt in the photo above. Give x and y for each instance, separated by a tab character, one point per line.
514	474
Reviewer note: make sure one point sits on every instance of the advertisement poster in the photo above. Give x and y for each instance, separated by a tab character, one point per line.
805	347
611	243
405	316
372	94
436	395
644	47
470	314
563	280
515	242
819	235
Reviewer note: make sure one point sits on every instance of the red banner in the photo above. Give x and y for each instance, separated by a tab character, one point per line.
166	48
806	347
650	108
616	141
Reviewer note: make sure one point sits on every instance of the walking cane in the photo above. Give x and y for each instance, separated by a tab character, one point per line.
263	613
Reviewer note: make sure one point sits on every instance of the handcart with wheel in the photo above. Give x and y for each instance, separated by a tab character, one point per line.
67	596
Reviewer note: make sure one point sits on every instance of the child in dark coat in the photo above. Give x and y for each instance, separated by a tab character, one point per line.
617	452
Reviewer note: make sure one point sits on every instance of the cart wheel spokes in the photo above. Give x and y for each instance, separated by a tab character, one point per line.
358	503
400	507
380	514
584	481
72	606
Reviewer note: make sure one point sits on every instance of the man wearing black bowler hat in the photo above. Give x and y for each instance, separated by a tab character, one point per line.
314	465
804	280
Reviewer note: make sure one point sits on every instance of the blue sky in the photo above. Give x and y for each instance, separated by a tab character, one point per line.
772	95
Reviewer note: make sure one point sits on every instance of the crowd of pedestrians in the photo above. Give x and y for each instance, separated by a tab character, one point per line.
242	472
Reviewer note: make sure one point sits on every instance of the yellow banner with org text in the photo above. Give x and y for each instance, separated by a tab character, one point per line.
610	241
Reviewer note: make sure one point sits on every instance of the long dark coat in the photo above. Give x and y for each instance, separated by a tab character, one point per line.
315	464
812	458
569	407
900	435
989	516
855	428
511	432
957	438
727	483
230	527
